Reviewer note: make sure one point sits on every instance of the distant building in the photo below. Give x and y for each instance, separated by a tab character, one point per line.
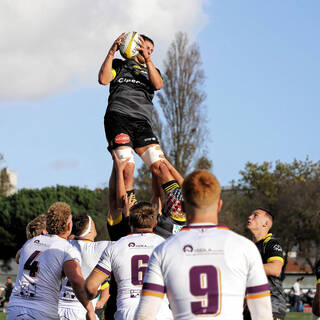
10	184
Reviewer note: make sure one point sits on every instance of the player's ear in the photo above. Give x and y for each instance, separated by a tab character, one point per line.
220	203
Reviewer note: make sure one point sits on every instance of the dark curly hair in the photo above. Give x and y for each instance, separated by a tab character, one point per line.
80	222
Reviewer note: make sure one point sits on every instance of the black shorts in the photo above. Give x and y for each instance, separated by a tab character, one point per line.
122	130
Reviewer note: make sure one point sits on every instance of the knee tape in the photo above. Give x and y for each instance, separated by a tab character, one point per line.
152	155
124	154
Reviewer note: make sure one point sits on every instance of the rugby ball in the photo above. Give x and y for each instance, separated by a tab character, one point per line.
129	47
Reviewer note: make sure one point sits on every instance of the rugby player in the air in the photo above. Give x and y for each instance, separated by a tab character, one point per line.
128	117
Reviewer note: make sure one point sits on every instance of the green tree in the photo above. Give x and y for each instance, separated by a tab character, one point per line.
181	102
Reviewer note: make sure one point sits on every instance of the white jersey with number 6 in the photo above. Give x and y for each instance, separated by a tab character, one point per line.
128	258
40	273
206	271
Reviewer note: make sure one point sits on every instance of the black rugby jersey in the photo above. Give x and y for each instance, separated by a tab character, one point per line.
270	250
131	91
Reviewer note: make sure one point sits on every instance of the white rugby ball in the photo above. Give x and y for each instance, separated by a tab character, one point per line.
129	47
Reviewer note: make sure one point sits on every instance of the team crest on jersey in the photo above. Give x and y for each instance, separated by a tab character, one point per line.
122	138
188	248
277	247
131	244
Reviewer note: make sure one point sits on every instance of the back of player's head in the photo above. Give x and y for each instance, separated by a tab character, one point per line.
36	226
143	215
80	223
57	218
201	189
145	38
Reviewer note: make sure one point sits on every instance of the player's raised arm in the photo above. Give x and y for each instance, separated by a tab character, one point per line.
146	49
105	73
73	272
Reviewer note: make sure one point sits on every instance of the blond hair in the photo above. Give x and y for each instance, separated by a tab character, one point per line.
36	226
57	218
201	189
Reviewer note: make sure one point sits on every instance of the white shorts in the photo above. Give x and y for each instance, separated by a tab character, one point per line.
72	314
22	313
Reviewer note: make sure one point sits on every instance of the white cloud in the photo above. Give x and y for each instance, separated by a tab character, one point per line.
49	45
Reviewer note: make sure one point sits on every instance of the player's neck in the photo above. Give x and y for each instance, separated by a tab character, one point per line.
142	230
258	235
195	217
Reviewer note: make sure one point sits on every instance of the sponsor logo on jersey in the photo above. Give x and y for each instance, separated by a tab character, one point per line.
128	80
122	138
149	139
188	248
131	244
277	247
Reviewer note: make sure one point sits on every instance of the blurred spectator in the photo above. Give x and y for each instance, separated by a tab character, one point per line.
297	295
7	293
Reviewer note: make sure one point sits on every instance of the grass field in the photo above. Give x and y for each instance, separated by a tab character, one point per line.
289	316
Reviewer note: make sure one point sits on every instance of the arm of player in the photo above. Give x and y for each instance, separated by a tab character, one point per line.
257	293
260	308
105	73
93	283
104	296
120	186
154	75
174	172
148	308
273	268
72	270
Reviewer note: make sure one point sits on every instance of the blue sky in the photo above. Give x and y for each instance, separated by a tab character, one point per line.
261	61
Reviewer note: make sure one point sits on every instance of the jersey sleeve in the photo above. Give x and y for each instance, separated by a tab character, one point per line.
257	283
257	292
118	228
116	66
71	253
273	251
153	289
104	264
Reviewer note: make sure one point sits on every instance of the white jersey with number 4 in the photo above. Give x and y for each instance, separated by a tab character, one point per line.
206	271
90	254
128	258
40	273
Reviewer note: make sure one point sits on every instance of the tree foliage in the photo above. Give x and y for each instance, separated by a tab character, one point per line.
291	191
181	102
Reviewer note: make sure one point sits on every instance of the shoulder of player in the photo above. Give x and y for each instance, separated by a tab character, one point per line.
274	245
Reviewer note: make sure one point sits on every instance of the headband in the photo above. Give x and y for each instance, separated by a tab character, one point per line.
88	229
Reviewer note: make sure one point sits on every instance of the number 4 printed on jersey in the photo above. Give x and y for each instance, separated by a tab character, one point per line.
32	265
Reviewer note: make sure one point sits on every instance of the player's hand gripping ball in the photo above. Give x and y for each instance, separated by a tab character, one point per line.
129	46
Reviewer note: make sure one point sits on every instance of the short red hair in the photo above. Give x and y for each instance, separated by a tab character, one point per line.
201	189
